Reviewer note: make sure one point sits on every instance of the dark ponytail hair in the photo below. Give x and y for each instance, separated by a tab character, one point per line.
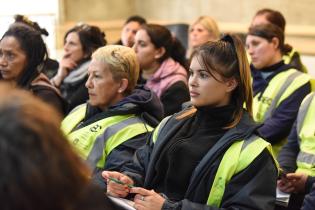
161	37
268	32
34	48
23	19
227	57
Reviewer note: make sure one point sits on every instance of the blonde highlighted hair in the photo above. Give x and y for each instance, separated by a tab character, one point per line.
122	62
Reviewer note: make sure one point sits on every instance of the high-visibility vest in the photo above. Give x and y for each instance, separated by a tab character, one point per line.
279	88
306	133
96	140
238	157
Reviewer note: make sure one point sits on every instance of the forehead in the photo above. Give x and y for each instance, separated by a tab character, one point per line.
199	25
73	36
10	43
132	25
143	35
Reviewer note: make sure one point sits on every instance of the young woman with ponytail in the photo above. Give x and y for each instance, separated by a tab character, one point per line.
278	88
208	156
162	61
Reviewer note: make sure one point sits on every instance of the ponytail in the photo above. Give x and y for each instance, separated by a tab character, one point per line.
178	53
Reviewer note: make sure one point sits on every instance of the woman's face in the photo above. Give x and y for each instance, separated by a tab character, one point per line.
13	59
261	51
147	53
73	48
103	89
198	35
205	90
128	33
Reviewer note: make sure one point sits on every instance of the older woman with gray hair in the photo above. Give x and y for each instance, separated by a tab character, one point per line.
115	121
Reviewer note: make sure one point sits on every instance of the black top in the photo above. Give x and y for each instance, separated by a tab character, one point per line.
189	147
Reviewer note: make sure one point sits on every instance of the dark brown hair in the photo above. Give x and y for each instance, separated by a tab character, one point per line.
268	32
273	16
91	37
160	36
227	57
39	170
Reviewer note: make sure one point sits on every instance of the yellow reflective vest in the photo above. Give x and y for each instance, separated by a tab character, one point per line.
96	140
306	134
280	87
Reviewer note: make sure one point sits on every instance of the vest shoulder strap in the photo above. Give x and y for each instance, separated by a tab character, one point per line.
243	153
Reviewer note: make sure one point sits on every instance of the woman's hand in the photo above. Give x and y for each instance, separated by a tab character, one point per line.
115	189
293	182
65	66
147	199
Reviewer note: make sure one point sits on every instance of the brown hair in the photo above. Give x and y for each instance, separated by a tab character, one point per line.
273	16
268	32
39	169
227	57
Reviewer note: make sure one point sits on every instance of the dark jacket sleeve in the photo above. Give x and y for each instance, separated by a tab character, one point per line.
50	97
309	201
173	98
120	156
253	188
288	154
78	97
278	126
137	168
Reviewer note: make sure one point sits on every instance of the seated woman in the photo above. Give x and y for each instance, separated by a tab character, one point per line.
38	168
114	123
79	44
278	88
162	61
265	16
23	55
130	28
204	29
297	156
209	155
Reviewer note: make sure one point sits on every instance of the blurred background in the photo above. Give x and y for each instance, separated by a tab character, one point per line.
57	16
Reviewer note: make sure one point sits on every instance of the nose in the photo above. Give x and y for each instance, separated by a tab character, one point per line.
192	82
89	83
3	61
250	50
134	47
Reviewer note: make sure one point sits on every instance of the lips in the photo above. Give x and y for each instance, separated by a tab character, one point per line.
193	93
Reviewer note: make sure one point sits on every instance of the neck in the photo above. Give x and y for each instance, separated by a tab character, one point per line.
276	59
147	73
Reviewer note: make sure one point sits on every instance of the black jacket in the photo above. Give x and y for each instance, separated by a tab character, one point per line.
253	188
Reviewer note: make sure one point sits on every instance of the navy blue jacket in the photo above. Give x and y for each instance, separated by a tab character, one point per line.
309	201
278	126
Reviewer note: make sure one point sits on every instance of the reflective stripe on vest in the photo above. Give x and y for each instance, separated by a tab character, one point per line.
95	141
239	156
279	88
306	134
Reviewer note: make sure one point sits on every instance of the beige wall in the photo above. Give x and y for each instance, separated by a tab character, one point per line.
232	15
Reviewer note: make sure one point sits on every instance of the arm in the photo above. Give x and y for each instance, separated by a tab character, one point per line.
173	98
288	154
119	157
278	126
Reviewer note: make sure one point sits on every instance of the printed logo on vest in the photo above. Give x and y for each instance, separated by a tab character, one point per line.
95	128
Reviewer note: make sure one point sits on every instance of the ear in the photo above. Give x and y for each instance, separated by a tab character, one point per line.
275	42
123	85
231	84
159	52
